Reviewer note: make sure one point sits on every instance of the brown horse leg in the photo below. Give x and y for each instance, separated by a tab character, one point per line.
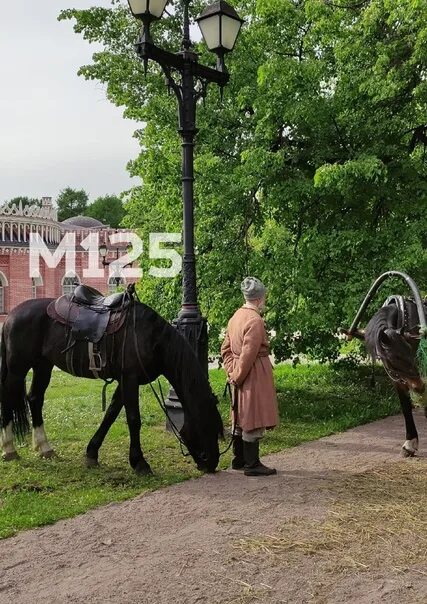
410	446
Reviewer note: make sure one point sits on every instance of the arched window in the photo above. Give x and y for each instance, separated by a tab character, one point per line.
35	283
3	284
114	283
69	283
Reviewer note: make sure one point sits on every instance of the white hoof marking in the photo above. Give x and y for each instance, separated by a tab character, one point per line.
40	442
9	451
410	447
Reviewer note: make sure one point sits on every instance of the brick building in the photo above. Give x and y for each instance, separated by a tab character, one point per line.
17	284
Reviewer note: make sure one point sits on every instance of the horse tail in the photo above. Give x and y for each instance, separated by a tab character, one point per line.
3	375
3	364
13	408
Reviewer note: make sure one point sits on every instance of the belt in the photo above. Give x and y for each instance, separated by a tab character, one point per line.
264	353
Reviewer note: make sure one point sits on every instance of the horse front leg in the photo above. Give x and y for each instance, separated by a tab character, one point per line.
108	420
41	378
130	394
410	446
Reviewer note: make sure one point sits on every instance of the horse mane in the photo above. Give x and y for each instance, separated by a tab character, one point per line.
385	342
182	369
190	381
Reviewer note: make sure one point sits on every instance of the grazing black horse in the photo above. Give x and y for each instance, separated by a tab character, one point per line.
392	336
144	348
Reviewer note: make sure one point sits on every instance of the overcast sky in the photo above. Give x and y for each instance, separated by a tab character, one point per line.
56	129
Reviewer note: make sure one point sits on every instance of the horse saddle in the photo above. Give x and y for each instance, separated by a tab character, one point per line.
90	316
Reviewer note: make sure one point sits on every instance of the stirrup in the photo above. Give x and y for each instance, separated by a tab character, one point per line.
95	359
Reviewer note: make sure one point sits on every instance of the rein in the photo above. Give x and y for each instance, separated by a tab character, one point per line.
393	375
161	399
175	430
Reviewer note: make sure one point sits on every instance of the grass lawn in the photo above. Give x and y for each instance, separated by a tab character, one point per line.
314	400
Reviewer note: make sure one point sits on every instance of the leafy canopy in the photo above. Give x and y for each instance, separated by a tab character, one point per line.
108	209
311	174
71	203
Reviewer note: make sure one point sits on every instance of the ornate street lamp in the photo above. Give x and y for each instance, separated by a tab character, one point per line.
220	26
147	9
103	252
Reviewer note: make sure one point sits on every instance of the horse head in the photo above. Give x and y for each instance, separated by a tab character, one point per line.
200	435
398	355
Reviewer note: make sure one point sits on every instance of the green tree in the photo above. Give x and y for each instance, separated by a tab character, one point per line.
108	209
71	203
311	174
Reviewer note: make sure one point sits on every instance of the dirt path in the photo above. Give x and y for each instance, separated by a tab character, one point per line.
178	545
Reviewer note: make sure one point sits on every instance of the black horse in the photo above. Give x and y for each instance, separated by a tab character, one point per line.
145	347
392	336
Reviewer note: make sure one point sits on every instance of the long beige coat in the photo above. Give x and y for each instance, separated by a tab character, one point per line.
245	353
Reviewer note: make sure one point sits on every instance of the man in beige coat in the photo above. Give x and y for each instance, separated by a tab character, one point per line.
245	352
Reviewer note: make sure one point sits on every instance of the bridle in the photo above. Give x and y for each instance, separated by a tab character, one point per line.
394	375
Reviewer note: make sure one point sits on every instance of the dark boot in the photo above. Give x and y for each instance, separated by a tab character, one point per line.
253	466
238	462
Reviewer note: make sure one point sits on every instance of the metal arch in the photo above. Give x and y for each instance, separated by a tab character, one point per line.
373	290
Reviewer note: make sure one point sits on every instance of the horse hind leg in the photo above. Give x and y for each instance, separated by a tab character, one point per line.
14	414
41	378
8	446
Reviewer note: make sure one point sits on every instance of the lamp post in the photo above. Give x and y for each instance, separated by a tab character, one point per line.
103	252
220	26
